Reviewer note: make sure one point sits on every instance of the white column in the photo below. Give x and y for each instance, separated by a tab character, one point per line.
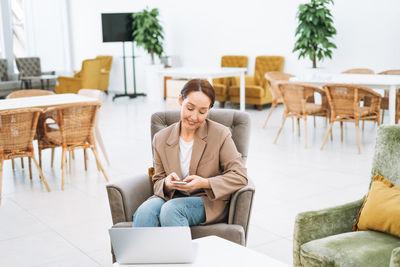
7	33
242	92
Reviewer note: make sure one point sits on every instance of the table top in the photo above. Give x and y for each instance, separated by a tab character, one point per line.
44	101
202	72
372	80
216	251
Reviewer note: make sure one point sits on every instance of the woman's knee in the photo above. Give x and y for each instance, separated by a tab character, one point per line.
173	213
148	213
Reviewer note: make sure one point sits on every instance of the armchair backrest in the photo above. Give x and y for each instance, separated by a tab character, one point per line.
238	122
3	70
386	160
90	73
295	95
266	64
344	99
29	66
106	62
232	62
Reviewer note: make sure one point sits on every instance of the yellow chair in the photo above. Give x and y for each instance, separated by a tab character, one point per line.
257	88
221	85
106	62
89	77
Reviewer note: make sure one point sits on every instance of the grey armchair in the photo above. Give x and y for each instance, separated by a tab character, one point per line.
30	66
125	196
325	237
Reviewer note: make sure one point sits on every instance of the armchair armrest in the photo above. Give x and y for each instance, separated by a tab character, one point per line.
395	259
240	206
49	72
319	224
126	195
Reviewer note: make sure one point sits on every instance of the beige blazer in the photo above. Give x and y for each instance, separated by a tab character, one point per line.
214	156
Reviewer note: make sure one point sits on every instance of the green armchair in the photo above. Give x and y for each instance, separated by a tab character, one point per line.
325	237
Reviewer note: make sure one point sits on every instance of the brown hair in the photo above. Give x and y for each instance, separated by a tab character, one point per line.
199	85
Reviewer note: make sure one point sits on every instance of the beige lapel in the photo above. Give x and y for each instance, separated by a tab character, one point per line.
199	145
172	151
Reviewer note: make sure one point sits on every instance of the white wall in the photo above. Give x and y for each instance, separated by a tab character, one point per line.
200	32
47	34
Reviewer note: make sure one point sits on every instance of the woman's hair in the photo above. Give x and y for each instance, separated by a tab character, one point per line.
199	85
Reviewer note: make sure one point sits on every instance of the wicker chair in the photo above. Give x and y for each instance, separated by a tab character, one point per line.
257	89
344	100
359	71
76	123
385	99
28	93
221	85
17	130
296	98
273	78
96	94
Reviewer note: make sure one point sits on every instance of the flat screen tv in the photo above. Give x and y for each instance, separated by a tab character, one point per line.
117	27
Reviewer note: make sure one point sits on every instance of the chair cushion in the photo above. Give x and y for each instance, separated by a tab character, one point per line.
313	108
363	248
381	208
220	89
251	91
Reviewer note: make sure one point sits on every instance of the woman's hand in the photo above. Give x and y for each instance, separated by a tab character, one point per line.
194	182
167	182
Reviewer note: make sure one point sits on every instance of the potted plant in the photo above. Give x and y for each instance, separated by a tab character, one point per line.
315	31
148	32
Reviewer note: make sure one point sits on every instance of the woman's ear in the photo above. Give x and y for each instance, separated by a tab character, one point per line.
180	99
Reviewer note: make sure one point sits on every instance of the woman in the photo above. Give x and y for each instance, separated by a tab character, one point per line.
202	154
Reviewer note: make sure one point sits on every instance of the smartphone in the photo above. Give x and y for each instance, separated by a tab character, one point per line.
178	182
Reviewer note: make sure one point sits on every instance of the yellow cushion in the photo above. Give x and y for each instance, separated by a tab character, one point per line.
381	208
251	91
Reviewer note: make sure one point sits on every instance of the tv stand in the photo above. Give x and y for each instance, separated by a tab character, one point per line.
126	94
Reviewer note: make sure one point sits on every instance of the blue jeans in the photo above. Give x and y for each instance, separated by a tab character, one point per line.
184	211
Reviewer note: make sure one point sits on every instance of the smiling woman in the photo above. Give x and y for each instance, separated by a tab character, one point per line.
199	152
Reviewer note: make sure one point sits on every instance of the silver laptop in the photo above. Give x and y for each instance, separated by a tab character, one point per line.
152	245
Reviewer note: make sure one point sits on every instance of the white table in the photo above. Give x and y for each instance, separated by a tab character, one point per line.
218	252
209	74
373	81
44	101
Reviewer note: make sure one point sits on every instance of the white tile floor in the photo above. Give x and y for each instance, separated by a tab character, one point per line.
69	228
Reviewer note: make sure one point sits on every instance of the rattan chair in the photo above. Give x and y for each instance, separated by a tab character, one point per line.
296	99
345	100
17	130
99	96
76	124
273	78
385	98
28	93
221	85
359	71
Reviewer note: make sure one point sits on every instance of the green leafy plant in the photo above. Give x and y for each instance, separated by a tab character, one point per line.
315	31
148	32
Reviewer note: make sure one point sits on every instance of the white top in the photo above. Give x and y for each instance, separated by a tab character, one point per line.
185	154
